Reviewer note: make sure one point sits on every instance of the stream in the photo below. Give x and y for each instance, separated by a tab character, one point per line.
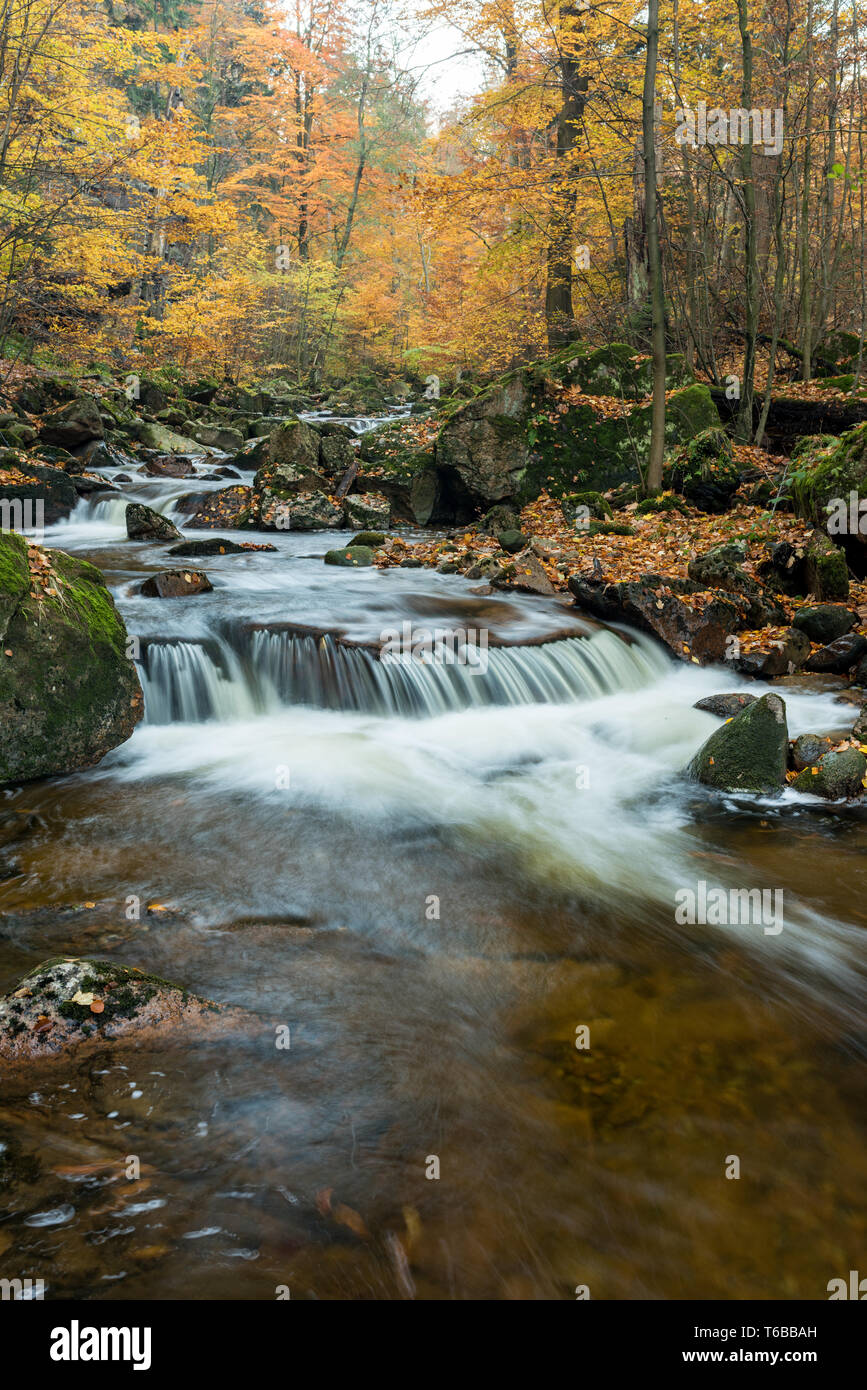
433	876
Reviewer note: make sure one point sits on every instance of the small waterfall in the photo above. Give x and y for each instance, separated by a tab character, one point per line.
194	682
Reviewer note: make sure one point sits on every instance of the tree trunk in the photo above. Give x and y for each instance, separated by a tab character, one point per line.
653	481
558	284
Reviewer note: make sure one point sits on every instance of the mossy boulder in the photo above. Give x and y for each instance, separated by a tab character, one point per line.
827	572
836	776
613	370
705	471
721	567
69	1000
73	425
511	541
824	474
353	557
370	538
165	440
579	507
748	754
68	690
483	448
807	749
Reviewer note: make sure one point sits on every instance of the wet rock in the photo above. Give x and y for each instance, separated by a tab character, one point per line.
747	754
372	538
253	455
838	657
692	626
775	656
825	622
169	466
215	545
285	480
353	557
369	509
827	572
725	706
144	524
69	1000
176	584
336	454
836	775
488	568
74	424
806	751
68	691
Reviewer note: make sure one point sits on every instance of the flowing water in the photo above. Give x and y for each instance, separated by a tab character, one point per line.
432	875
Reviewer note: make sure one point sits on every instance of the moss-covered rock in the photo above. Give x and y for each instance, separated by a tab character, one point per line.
748	753
705	471
68	690
824	622
835	776
827	571
353	557
824	473
367	509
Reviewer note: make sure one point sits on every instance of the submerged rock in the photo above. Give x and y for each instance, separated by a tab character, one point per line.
216	545
68	690
176	584
835	776
748	753
68	1000
144	524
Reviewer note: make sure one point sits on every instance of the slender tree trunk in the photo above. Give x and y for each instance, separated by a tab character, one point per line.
559	257
653	481
751	292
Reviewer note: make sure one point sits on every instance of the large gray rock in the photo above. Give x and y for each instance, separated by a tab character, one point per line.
369	509
748	754
74	424
835	776
483	447
68	690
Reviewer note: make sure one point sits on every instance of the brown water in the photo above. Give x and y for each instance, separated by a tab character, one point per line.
414	1036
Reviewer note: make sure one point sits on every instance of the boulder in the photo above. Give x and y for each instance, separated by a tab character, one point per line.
839	656
693	628
295	444
721	568
371	538
336	454
748	754
176	584
512	541
308	511
526	573
164	441
219	437
144	524
31	494
68	1000
353	557
825	622
229	508
68	691
835	776
725	706
827	571
169	466
482	450
784	570
775	656
74	424
369	509
706	473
